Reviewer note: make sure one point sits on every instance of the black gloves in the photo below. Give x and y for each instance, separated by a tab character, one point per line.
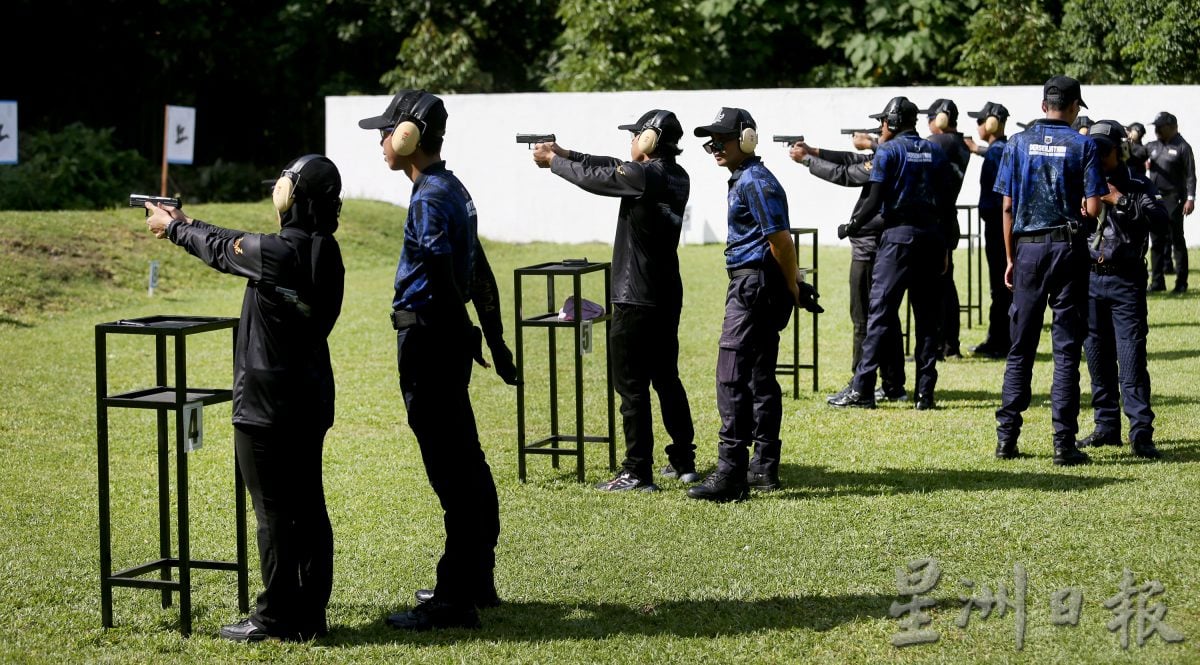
843	231
502	358
808	298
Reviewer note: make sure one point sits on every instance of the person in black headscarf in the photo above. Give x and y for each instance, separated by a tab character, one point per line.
283	389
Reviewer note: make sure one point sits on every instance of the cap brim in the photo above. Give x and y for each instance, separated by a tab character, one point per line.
712	130
377	122
1082	105
977	114
877	116
632	127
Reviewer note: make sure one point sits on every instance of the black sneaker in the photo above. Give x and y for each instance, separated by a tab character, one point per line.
686	474
925	403
988	350
719	486
838	395
951	352
853	399
889	394
626	482
1099	438
1146	449
435	614
763	482
483	600
246	630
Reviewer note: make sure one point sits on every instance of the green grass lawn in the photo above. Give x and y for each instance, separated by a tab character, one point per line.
806	574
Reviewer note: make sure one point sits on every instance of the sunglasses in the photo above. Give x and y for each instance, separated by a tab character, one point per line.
714	146
385	132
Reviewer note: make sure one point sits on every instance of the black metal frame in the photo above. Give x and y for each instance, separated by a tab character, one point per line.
550	445
793	368
163	398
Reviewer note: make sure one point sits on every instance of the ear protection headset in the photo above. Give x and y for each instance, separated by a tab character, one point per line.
941	120
747	139
284	194
894	117
651	130
991	124
407	134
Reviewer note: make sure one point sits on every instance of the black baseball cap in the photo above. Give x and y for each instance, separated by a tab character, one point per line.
1062	90
1082	122
990	109
1136	127
669	129
946	106
906	109
417	105
1108	132
1164	118
730	120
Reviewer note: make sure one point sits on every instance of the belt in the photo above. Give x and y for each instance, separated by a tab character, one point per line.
744	270
403	319
1061	234
1115	268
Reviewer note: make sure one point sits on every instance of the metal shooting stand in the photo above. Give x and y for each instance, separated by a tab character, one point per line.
793	368
551	445
163	398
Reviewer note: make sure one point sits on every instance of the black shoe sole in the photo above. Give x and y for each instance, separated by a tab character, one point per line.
742	496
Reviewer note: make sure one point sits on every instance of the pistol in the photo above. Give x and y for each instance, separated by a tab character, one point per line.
874	131
531	139
140	201
787	139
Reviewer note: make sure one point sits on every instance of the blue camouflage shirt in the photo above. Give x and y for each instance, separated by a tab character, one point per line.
988	198
441	220
1048	170
912	172
757	208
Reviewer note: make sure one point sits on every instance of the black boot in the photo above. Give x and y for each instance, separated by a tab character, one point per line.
1146	449
1099	437
1007	450
1067	454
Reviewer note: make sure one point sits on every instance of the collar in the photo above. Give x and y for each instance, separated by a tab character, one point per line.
433	169
1050	121
749	161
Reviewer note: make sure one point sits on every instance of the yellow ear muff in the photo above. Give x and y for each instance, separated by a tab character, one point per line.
283	196
748	140
405	138
991	125
942	120
648	140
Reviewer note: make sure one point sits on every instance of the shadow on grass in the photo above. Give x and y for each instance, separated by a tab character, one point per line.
1173	452
16	323
521	621
949	399
1174	354
805	482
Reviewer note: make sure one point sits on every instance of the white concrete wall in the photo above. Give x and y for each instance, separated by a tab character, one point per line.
518	202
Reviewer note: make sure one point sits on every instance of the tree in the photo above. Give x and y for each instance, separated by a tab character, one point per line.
1008	44
627	45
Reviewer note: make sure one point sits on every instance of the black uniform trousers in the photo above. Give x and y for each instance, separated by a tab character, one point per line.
951	326
891	369
997	262
1116	350
1055	273
1170	244
909	258
282	470
645	348
749	398
435	371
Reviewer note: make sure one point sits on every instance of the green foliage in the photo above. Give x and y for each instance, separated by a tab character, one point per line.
72	168
221	182
627	45
907	42
1096	41
1008	44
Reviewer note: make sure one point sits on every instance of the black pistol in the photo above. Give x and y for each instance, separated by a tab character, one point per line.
788	139
140	201
531	139
874	131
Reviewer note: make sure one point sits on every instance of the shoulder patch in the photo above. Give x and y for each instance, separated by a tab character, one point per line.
868	165
621	170
237	245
